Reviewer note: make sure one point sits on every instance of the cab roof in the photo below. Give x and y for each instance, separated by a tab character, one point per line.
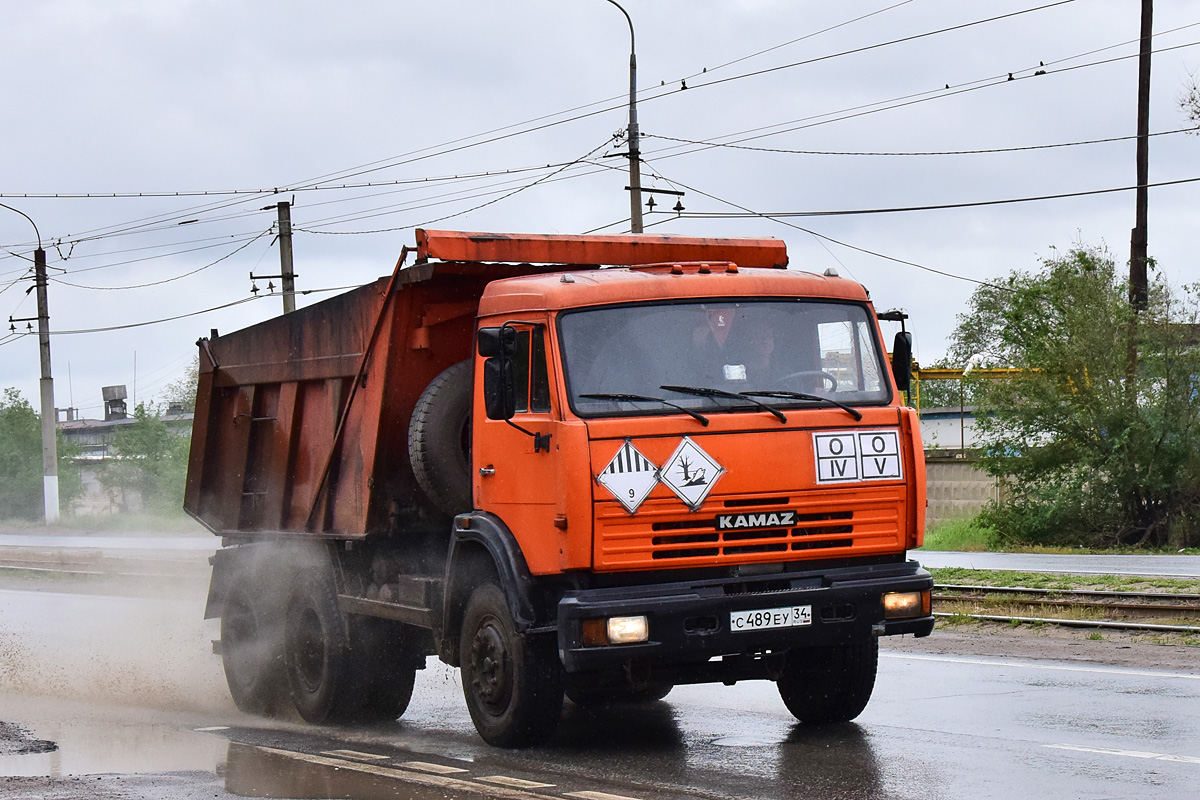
579	288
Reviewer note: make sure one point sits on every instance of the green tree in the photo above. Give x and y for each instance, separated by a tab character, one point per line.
1091	452
21	481
182	392
149	459
20	458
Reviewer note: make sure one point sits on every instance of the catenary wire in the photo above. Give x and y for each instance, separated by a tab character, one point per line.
981	151
751	213
397	160
230	254
877	106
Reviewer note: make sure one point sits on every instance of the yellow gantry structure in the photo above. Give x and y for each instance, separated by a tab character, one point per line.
920	374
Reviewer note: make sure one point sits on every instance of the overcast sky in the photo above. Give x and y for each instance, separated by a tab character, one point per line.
421	98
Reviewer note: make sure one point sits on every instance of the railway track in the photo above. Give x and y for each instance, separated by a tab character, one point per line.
96	564
1080	608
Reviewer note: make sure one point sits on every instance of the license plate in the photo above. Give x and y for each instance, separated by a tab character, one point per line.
762	618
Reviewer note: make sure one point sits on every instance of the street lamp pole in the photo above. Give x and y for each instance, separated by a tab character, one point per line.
635	170
49	414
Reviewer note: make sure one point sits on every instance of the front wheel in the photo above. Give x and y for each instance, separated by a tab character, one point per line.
513	684
829	684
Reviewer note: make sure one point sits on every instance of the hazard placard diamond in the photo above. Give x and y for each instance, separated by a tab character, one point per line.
629	476
690	473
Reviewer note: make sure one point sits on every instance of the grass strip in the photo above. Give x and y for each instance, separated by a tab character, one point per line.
1045	580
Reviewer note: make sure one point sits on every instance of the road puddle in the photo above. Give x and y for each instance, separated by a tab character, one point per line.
257	772
95	740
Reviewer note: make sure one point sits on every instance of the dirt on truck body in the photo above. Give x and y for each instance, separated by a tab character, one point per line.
582	466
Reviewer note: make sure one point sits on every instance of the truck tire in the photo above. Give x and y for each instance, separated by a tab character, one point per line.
587	696
439	439
829	684
252	649
384	669
316	650
513	684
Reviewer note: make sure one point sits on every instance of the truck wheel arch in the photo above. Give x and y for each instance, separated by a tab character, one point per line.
483	548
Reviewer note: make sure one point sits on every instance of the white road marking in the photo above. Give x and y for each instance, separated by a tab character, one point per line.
1051	667
212	729
436	769
599	796
516	783
354	754
1110	751
440	781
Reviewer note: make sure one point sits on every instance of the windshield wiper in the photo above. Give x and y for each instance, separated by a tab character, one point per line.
705	391
783	394
641	398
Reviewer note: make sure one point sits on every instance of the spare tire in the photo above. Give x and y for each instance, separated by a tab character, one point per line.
439	439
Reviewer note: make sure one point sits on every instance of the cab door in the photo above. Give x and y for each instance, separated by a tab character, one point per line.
516	461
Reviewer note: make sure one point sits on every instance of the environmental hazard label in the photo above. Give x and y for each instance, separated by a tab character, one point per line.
690	473
852	456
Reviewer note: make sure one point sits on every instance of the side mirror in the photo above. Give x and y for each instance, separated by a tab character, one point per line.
902	360
496	341
499	393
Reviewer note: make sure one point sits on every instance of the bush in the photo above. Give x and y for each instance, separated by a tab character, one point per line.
21	481
1093	447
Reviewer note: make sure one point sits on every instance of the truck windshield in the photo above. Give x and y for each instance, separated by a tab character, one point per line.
790	353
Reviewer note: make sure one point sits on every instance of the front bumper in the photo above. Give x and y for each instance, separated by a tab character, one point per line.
689	622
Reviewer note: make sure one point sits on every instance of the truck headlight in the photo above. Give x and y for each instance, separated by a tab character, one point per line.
902	605
615	630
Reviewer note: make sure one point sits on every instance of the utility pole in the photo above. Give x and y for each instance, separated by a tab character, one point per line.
49	414
635	155
286	275
1138	292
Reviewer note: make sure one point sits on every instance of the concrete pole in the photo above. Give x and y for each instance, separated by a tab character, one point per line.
287	275
635	154
49	413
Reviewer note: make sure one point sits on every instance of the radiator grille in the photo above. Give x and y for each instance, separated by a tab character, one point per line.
663	534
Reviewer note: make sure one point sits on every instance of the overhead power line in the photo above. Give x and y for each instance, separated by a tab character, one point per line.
940	206
751	213
875	107
866	48
456	145
127	326
581	160
980	151
278	190
228	255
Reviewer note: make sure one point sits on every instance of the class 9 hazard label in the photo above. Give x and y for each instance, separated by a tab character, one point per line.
857	456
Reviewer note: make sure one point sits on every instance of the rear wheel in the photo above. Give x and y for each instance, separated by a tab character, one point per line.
384	666
316	650
252	649
513	684
829	684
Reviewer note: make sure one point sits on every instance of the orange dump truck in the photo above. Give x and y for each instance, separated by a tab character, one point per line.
583	466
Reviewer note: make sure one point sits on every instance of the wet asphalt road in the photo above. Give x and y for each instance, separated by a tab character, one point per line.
128	689
1170	566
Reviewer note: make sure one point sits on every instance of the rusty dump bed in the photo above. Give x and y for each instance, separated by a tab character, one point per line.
302	421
